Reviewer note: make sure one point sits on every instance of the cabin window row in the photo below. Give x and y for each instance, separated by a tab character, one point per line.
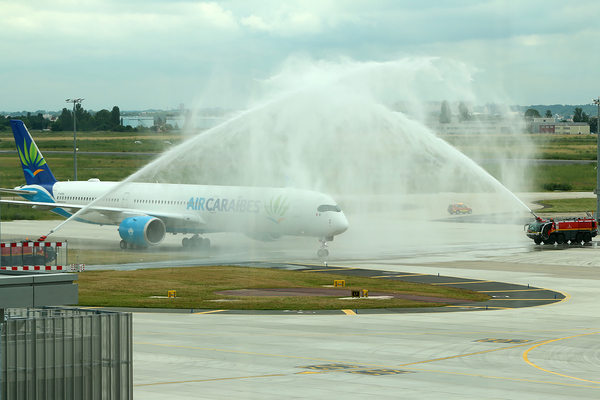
84	198
165	202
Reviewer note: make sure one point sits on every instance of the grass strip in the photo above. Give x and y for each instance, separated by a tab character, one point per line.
195	287
568	205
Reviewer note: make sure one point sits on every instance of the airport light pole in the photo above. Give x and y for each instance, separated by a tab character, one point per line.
74	101
597	191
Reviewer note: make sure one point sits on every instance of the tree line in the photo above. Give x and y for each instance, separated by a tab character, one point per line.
102	120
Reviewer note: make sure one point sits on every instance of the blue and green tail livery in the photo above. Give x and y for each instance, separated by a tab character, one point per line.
35	169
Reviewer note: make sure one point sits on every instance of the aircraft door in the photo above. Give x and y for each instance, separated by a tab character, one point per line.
125	201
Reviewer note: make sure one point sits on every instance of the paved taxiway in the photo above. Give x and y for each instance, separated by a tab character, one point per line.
550	351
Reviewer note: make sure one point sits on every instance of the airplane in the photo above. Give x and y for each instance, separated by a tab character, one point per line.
146	212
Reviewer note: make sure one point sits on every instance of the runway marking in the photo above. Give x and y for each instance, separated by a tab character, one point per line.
526	357
247	352
379	372
352	369
506	378
495	340
487	307
332	362
209	312
331	367
375	365
207	380
460	283
465	355
349	312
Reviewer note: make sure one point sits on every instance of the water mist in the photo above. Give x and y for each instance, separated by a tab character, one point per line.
328	127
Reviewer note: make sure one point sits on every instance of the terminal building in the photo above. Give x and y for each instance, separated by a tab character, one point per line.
198	122
176	122
137	122
471	127
549	125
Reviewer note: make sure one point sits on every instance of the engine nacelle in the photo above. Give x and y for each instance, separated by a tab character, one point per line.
264	237
143	231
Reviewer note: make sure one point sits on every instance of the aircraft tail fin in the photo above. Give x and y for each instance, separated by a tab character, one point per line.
35	169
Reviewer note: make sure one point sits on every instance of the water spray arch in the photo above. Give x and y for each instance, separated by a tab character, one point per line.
329	129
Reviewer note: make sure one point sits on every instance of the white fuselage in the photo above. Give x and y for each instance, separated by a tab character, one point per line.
202	209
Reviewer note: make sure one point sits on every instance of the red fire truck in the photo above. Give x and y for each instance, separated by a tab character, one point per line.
572	230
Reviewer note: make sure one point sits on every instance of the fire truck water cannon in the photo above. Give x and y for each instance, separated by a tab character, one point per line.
572	230
539	219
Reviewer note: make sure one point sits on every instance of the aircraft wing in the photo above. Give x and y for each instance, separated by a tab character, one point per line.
117	215
172	220
39	205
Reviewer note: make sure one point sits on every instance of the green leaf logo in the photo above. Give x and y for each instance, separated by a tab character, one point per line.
276	209
31	158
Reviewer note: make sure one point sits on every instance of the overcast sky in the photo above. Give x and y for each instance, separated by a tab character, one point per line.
159	53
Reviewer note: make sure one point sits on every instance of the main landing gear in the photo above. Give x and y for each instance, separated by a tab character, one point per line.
323	252
196	242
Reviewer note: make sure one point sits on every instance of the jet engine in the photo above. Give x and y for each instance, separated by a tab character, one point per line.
142	231
264	237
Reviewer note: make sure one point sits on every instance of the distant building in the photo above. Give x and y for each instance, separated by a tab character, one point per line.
549	125
543	125
175	122
572	128
137	122
471	127
200	122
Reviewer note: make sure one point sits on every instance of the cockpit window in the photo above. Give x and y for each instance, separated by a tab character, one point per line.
327	207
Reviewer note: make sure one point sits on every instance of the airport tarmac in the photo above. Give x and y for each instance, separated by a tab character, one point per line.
546	351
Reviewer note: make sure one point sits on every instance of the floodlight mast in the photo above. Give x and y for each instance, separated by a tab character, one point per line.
74	101
597	191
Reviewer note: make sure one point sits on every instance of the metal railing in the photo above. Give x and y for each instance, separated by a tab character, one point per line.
26	255
64	353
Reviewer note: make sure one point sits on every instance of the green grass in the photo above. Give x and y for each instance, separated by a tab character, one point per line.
118	256
581	177
542	146
105	168
13	212
568	205
195	288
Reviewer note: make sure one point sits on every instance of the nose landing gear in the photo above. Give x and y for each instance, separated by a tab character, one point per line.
323	252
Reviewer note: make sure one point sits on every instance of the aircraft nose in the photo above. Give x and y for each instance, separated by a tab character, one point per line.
341	224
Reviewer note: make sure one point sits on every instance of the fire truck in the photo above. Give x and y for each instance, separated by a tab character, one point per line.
572	230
